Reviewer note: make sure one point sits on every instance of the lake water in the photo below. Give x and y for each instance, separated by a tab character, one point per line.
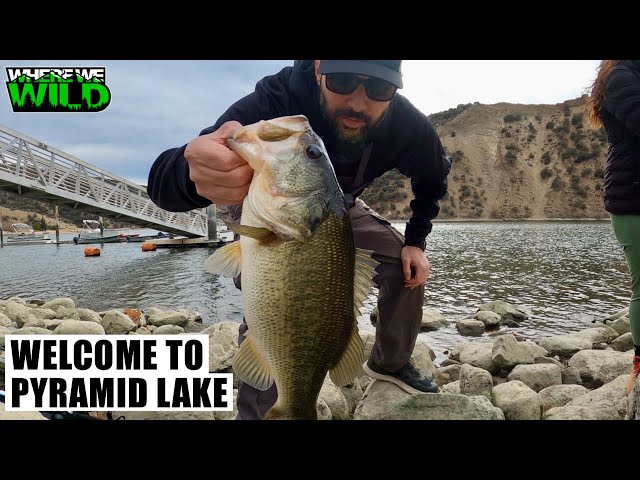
564	274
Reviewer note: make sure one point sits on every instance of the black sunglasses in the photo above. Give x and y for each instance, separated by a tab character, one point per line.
346	83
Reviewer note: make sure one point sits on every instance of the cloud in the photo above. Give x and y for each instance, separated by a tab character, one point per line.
157	105
437	85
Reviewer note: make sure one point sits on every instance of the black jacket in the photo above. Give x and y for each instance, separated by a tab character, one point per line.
621	116
405	140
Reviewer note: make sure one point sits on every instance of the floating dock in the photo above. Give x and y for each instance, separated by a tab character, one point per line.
189	243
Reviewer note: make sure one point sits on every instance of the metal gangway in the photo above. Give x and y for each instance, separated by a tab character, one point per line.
31	168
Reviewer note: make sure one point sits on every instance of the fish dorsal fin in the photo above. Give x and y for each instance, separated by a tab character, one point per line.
226	261
363	278
258	233
250	366
346	369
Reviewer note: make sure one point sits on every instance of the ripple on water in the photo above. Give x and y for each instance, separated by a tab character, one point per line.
566	274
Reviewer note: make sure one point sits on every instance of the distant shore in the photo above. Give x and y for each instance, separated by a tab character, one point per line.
437	220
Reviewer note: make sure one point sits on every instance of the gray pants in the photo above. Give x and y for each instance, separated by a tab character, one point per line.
399	308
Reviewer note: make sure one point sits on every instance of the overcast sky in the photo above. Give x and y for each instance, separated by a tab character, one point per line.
157	105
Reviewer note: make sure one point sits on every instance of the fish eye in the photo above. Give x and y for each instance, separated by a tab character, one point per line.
313	152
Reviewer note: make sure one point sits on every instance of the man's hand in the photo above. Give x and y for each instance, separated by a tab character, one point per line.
416	258
219	173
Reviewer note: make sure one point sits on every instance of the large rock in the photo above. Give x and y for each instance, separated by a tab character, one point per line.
452	388
517	401
35	322
86	315
168	318
368	340
43	313
79	327
475	381
194	327
507	352
470	327
59	302
479	355
537	376
335	400
17	312
614	392
192	316
223	344
422	357
601	411
571	376
565	345
115	322
153	311
52	324
168	330
599	334
550	360
490	319
623	343
560	395
353	393
621	325
322	410
17	299
616	315
597	367
506	311
386	401
447	374
534	349
432	320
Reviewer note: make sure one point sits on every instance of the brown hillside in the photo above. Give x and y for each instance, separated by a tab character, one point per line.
512	161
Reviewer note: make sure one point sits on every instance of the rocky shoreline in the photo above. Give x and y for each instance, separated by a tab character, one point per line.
577	376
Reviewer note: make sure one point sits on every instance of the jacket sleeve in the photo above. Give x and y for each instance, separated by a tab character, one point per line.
428	169
169	185
622	98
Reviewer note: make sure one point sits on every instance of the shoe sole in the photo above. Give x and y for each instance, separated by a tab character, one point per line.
389	378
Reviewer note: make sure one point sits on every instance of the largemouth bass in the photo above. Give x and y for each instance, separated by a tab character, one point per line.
303	280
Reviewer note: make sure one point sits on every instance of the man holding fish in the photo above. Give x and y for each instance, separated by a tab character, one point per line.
348	110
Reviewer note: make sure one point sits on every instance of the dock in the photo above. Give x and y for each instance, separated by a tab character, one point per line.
189	243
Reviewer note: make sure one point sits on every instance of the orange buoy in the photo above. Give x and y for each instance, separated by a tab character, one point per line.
148	246
92	252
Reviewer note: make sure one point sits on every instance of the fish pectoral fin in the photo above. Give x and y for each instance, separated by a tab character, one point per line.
226	261
259	233
347	367
250	365
363	280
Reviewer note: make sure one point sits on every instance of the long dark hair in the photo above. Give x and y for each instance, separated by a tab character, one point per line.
597	92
